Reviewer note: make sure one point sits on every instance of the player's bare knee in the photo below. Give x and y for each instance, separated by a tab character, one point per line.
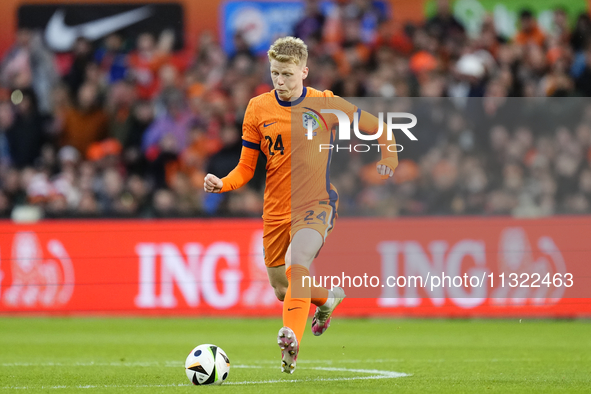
279	285
280	292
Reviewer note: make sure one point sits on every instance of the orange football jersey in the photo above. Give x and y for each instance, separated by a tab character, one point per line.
297	169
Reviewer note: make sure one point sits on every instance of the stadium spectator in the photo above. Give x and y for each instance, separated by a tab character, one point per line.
560	26
111	192
28	64
140	118
5	205
85	123
81	59
164	203
583	82
529	31
6	122
119	104
26	135
242	52
353	52
311	26
175	121
112	58
443	24
369	17
139	191
224	161
187	197
581	32
193	159
146	61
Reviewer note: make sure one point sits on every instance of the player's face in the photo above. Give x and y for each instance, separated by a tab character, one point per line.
288	79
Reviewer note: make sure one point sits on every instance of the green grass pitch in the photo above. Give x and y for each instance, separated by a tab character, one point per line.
133	355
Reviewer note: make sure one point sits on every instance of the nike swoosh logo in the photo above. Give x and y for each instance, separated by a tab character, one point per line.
291	309
267	125
61	37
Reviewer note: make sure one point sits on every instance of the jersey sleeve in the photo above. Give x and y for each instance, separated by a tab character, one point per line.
370	124
251	136
251	142
243	172
336	102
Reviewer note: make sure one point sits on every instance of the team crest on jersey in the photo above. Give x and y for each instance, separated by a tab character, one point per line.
310	118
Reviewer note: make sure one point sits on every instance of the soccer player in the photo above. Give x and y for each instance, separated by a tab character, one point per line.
300	204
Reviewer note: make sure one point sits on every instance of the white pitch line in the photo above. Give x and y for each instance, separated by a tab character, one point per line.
176	364
330	362
399	360
114	386
167	364
261	364
374	374
373	377
377	374
376	371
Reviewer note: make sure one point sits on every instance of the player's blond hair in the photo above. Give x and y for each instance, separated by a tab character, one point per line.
289	50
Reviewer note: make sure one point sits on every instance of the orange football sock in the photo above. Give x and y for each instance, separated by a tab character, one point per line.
296	307
318	294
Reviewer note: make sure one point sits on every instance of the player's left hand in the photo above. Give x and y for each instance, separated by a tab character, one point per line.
385	171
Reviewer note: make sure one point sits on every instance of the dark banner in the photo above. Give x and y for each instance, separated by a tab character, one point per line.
63	23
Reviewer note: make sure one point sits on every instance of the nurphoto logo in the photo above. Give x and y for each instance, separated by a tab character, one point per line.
344	132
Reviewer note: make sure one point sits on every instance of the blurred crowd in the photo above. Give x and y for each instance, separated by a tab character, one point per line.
127	127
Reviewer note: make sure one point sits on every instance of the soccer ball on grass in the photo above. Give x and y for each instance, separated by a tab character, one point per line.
207	364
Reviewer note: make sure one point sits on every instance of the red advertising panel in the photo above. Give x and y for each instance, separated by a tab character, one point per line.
505	267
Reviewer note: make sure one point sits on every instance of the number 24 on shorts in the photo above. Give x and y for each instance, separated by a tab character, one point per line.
310	217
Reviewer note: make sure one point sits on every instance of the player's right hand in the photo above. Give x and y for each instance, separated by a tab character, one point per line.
212	184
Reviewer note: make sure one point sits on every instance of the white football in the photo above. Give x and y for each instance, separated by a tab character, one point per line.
207	364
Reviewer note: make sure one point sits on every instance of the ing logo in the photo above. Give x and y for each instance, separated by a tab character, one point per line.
37	279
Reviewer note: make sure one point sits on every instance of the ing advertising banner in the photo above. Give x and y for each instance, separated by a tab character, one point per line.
496	267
